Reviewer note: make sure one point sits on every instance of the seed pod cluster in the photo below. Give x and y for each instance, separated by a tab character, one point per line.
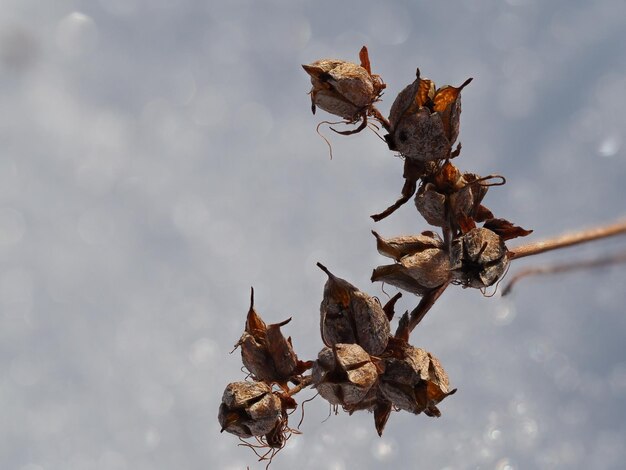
364	367
255	408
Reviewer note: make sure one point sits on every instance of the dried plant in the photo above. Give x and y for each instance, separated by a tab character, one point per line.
362	365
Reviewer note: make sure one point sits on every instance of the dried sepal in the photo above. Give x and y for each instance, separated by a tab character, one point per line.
421	262
343	88
249	409
344	374
506	229
348	315
478	258
389	307
447	103
413	379
398	247
382	411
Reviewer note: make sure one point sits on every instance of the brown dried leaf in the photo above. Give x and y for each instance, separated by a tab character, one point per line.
482	214
506	229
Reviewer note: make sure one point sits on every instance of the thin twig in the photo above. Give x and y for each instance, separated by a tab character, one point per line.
305	382
564	267
568	239
376	114
426	302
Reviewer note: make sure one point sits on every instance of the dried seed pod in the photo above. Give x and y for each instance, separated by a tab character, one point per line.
478	258
344	374
431	204
348	315
249	409
425	123
425	264
413	379
343	88
265	351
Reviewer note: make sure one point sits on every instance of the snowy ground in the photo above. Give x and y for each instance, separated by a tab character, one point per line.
159	157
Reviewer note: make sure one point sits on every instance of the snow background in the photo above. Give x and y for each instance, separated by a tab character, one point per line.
160	157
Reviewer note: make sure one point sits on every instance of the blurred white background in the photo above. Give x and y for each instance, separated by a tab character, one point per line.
157	158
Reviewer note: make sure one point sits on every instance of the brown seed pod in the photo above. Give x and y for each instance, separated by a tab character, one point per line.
343	88
249	409
344	374
478	258
431	204
265	351
422	263
413	379
424	123
348	315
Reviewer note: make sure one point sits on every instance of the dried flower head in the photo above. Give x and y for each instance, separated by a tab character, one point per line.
478	258
249	409
453	199
344	374
413	379
348	315
265	351
344	89
422	263
424	122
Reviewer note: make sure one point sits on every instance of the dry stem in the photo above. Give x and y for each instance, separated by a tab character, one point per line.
425	304
568	239
306	381
565	267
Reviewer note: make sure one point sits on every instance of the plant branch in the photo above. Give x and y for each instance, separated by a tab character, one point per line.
305	382
565	267
568	239
419	312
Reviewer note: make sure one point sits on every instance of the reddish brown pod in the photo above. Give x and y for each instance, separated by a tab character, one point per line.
479	258
249	409
348	315
424	122
265	351
344	374
345	89
413	379
422	263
